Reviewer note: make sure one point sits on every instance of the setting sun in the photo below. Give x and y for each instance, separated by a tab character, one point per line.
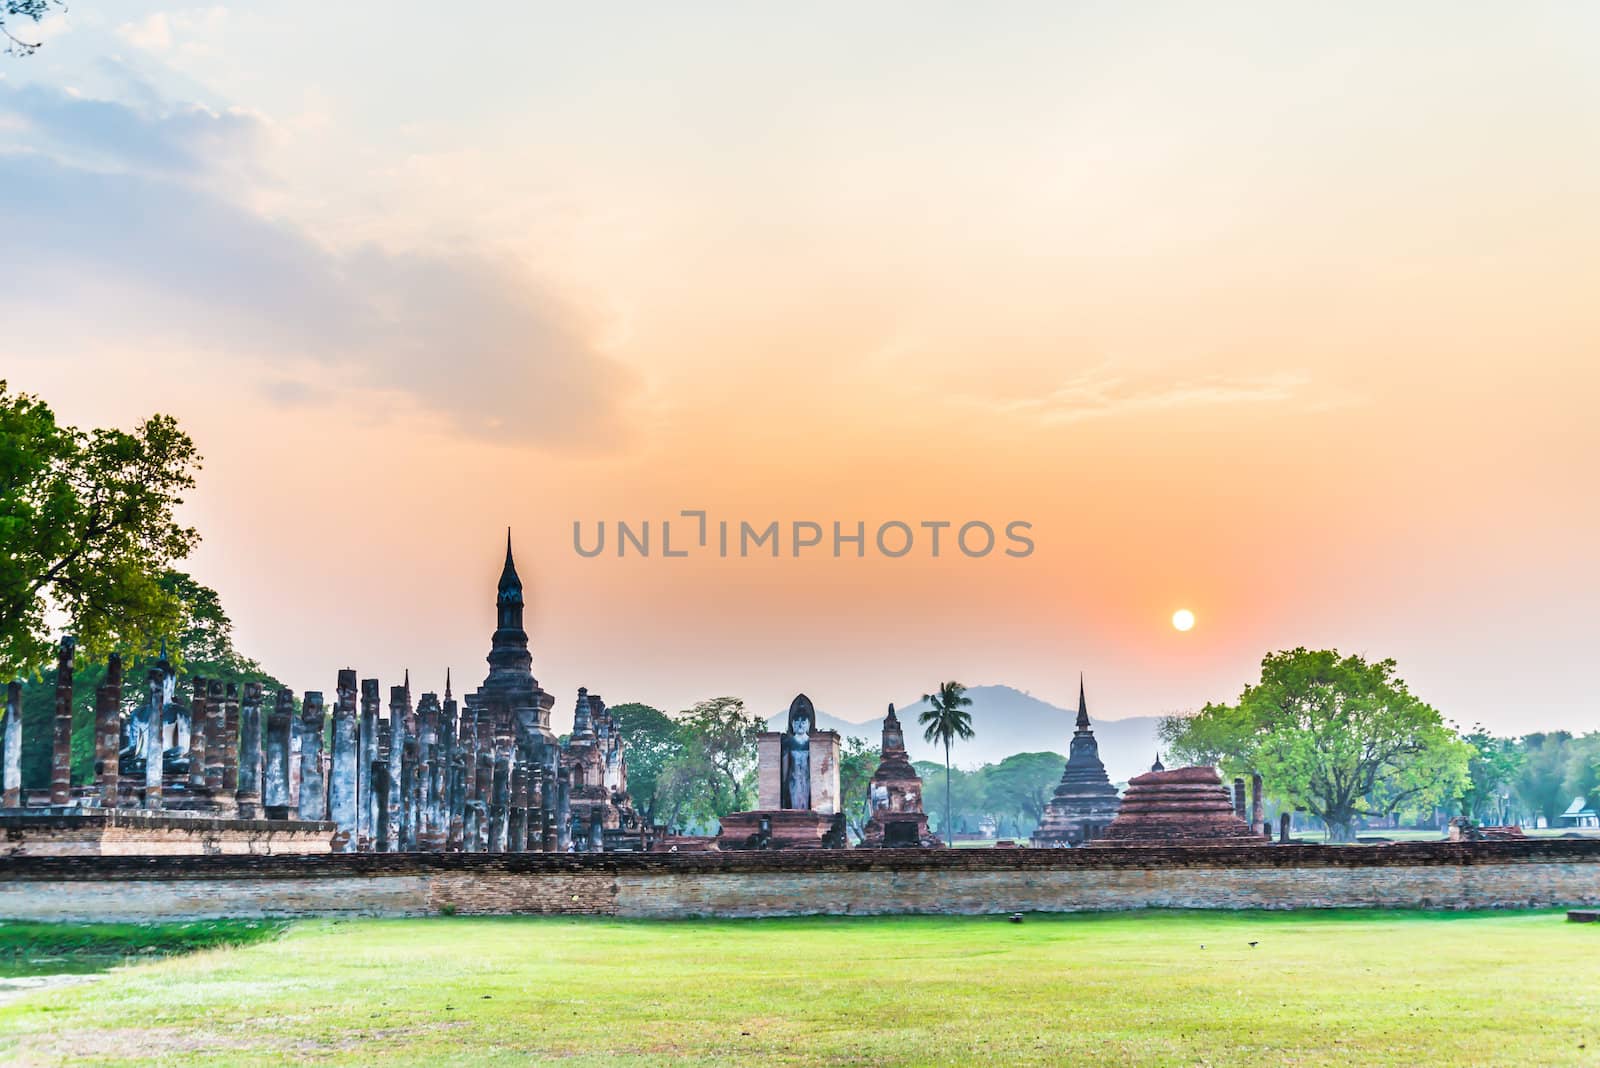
1182	619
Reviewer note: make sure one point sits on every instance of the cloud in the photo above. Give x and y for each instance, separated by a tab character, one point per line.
1099	395
109	199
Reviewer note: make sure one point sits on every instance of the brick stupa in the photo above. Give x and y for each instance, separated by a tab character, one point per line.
1085	802
895	795
1181	807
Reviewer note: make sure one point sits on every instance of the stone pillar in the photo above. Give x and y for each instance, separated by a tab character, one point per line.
499	799
61	742
275	772
383	840
408	793
247	793
108	732
1258	811
367	820
216	739
597	832
155	740
343	778
563	811
313	791
397	755
1238	799
230	741
12	773
517	823
483	789
1283	829
199	726
456	802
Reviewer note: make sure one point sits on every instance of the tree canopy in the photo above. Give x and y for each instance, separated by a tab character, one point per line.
1333	734
88	521
13	11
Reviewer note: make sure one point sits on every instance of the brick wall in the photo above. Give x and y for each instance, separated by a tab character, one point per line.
1432	875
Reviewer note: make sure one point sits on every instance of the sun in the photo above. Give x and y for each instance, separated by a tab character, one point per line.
1182	619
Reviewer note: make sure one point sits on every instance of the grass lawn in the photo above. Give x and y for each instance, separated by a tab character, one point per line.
1333	988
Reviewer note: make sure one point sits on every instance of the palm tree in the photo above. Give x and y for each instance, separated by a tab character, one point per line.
945	720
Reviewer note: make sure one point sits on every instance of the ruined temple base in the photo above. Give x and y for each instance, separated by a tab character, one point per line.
792	828
899	830
92	832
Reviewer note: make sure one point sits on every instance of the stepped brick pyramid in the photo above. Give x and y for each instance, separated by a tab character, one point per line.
1184	806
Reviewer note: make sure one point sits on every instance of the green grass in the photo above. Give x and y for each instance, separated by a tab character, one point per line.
1333	988
28	949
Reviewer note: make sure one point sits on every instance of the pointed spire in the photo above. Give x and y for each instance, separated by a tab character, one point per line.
447	684
1083	706
1157	765
508	574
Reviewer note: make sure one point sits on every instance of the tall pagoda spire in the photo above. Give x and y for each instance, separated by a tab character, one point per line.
447	684
1083	706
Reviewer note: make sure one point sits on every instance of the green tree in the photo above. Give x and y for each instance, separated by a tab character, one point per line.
651	739
857	762
711	773
1335	734
1491	769
944	720
1541	782
1019	787
87	521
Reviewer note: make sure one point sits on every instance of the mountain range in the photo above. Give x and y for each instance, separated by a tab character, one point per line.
1006	720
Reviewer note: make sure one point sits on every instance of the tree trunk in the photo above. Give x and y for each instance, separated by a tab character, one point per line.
949	828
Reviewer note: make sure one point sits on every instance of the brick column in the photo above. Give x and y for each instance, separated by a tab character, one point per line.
231	739
247	794
313	790
108	732
61	742
216	738
367	815
275	766
343	778
199	726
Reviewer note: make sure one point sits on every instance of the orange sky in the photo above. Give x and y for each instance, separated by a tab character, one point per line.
1277	313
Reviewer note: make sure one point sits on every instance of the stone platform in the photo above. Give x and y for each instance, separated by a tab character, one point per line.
1182	806
791	828
98	832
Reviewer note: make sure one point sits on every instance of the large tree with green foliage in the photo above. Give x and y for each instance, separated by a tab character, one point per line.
1334	734
944	720
710	773
1492	768
650	739
857	762
1019	787
88	522
1541	782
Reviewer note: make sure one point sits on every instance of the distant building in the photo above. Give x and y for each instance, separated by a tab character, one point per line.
1579	814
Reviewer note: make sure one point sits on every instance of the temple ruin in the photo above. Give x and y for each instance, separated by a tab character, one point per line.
1085	802
894	796
214	774
1181	807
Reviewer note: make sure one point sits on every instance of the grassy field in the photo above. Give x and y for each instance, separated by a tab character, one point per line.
1135	988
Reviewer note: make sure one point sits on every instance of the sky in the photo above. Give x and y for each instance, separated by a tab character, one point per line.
1282	313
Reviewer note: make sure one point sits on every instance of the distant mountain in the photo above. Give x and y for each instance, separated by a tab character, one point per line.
1006	721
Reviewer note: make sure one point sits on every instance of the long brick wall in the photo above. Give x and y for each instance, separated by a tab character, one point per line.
1432	875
